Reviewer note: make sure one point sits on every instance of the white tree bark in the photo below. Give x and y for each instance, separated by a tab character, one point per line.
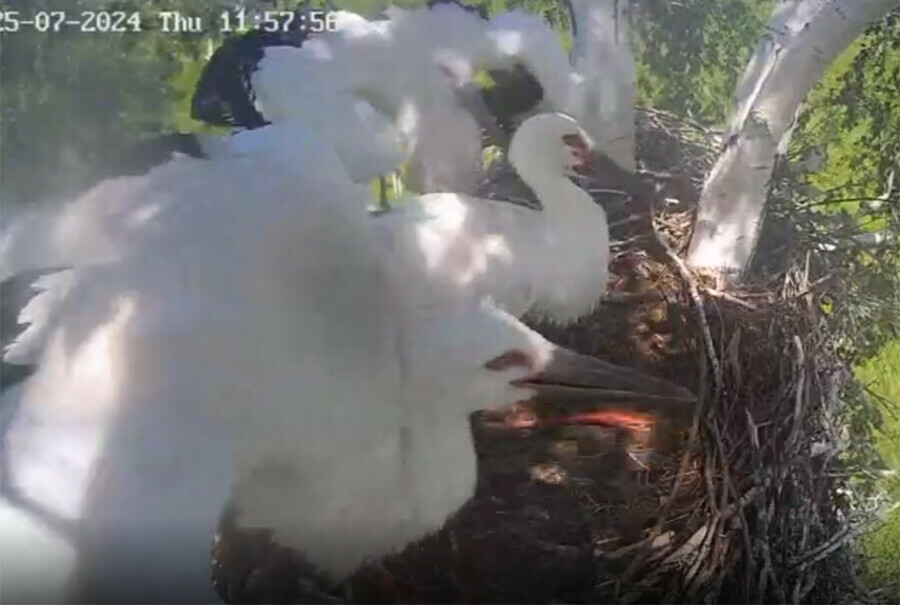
802	39
603	98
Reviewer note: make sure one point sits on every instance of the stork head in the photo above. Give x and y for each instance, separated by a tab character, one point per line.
553	142
555	375
567	388
490	359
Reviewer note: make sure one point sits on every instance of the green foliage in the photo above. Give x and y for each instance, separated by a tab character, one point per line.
882	550
881	375
882	547
852	121
692	52
71	100
853	116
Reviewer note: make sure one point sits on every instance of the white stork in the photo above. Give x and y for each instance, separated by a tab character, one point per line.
462	239
415	67
266	351
596	87
552	261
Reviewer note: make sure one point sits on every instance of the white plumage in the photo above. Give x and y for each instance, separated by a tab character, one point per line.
597	87
412	67
240	328
32	550
417	68
604	92
553	261
250	339
99	226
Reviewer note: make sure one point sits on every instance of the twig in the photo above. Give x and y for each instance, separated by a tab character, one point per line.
798	593
735	508
630	298
768	571
813	286
738	507
653	542
699	313
671	116
823	550
800	392
635	218
620	244
729	297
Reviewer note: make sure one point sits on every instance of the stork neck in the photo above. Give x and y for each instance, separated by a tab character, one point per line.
575	229
561	199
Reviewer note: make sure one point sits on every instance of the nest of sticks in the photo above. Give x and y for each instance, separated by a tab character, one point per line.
744	501
756	511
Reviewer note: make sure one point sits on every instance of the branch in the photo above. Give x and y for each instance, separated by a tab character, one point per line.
802	39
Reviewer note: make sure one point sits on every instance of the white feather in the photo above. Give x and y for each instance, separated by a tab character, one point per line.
40	315
554	261
251	337
414	59
597	88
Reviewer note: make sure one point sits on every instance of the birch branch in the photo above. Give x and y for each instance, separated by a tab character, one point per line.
803	38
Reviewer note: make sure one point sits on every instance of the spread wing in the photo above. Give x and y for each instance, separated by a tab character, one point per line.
240	325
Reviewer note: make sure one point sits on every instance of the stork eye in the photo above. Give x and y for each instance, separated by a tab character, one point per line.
581	150
510	359
577	143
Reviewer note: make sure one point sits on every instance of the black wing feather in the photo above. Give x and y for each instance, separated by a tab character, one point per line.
224	95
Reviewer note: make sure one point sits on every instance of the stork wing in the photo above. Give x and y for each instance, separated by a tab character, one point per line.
54	234
40	314
448	152
242	326
520	37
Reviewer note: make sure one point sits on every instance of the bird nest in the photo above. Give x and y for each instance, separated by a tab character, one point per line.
740	502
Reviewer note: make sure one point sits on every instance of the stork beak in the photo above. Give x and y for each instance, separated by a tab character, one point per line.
602	172
598	165
573	380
